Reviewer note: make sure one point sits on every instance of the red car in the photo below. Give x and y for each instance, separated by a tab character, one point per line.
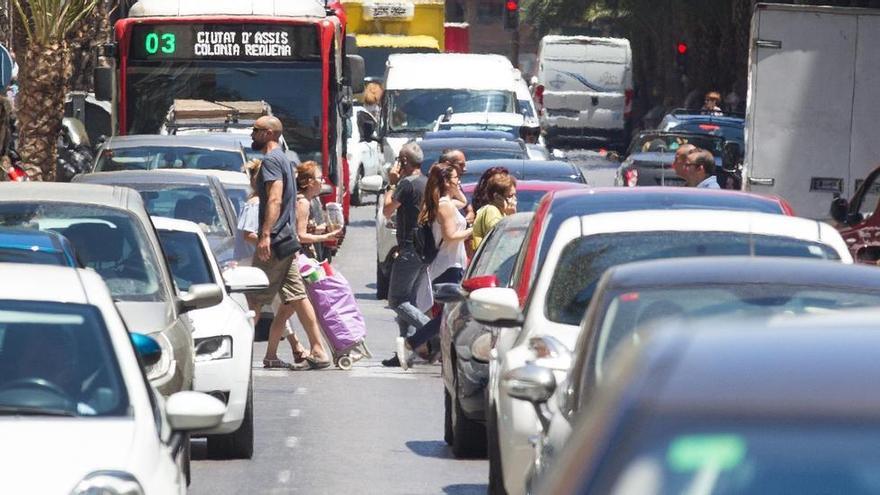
858	220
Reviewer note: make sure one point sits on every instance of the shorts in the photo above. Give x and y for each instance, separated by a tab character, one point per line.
284	280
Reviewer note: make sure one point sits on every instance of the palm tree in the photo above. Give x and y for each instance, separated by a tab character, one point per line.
44	69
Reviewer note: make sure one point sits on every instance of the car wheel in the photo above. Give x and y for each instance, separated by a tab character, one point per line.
468	436
240	443
496	479
381	282
447	422
356	193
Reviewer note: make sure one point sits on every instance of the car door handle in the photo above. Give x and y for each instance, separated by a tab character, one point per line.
761	181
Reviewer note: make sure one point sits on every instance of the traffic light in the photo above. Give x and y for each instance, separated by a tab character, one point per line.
511	14
681	56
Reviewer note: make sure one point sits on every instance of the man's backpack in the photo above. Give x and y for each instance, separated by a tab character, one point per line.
424	244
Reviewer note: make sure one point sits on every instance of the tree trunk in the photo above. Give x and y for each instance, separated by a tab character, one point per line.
41	107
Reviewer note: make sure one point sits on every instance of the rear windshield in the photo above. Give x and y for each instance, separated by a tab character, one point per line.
432	157
585	259
153	157
663	143
32	256
728	132
196	203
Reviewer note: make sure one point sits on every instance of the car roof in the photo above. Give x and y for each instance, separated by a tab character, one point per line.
90	194
183	140
42	283
159	176
226	177
794	368
165	223
741	270
527	168
534	185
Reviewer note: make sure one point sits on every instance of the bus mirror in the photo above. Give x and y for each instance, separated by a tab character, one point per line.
104	83
351	47
353	73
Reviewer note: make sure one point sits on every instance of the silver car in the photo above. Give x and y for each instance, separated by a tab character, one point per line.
148	152
111	232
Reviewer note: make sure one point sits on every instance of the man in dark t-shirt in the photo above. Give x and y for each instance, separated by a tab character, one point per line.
405	191
277	248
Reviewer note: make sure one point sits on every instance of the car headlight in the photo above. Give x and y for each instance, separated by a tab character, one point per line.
161	367
211	348
108	483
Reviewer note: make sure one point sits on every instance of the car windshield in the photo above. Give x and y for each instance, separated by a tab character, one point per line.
628	313
667	457
293	90
585	259
416	110
669	143
196	203
56	359
499	254
238	195
728	132
110	241
33	256
153	157
187	259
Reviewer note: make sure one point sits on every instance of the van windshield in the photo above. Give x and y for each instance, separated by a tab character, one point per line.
416	110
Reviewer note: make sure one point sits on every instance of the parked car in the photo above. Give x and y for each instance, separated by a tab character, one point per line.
199	198
651	153
148	152
584	89
529	192
111	233
750	403
542	170
632	298
223	335
581	249
69	375
857	219
41	248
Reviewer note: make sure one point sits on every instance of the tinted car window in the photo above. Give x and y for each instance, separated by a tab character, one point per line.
110	241
198	204
153	157
782	456
187	260
728	132
585	259
669	143
57	359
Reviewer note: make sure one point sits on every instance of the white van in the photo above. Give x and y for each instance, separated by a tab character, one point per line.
584	89
419	88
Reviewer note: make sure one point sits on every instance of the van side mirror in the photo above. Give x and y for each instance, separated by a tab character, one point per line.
353	72
366	126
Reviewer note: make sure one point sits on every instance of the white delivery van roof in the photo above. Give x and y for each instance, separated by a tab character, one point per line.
585	49
449	71
278	8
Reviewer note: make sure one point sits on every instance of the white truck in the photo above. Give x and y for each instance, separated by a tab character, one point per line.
811	128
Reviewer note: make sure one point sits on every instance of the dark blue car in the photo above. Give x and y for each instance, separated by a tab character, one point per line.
36	247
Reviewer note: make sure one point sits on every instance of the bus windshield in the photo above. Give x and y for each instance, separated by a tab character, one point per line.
293	90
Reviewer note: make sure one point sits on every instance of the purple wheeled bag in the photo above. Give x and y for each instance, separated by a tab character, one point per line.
338	312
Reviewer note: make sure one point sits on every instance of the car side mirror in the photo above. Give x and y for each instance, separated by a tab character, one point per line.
448	293
192	411
531	383
496	306
244	279
200	296
840	209
146	348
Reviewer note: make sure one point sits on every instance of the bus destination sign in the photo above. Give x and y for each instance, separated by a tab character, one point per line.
224	42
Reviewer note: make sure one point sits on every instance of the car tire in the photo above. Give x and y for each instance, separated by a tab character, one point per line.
381	282
468	436
240	443
357	198
496	476
447	422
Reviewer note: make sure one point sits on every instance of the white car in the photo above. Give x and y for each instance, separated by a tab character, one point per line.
582	248
364	157
73	397
223	335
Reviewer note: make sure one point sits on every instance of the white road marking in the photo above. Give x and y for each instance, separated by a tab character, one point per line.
294	413
291	442
284	476
301	391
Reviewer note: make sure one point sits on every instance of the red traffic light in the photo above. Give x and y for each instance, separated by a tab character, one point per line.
511	5
682	48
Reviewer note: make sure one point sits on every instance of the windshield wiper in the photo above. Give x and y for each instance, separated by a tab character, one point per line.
33	411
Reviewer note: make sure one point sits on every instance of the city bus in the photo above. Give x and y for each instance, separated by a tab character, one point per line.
289	54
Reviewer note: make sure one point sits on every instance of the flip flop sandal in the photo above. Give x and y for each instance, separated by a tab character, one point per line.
315	364
275	364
